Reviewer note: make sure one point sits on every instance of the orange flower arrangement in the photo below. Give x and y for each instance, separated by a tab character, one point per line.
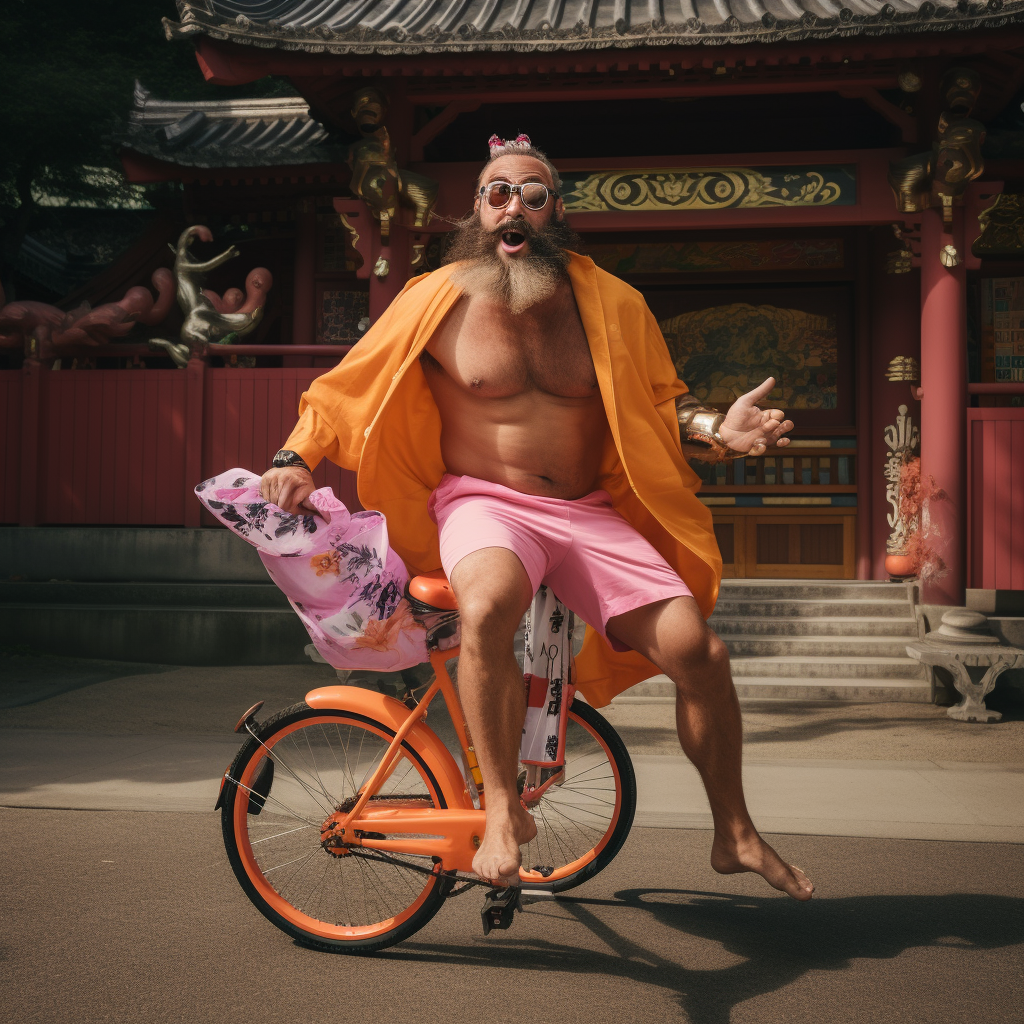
916	495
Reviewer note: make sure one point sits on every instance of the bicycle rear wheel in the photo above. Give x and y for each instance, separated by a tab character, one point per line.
281	787
583	821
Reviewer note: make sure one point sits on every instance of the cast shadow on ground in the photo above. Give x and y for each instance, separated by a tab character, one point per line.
780	940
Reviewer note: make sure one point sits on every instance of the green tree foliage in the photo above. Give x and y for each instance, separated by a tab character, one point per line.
69	70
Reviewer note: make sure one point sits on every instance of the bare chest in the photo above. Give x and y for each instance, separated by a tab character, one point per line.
488	352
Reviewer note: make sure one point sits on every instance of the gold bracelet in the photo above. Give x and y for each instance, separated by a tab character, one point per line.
699	432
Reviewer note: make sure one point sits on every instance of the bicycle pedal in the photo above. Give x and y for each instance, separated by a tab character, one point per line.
499	908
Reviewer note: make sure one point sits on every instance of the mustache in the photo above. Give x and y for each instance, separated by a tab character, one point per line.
524	227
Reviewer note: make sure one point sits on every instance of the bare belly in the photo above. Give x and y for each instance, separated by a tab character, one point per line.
534	442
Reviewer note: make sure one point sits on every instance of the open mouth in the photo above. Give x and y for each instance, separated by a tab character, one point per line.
512	241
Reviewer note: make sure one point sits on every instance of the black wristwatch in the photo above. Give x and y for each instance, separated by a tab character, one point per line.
286	458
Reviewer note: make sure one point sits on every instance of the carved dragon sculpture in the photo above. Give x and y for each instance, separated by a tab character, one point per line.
209	317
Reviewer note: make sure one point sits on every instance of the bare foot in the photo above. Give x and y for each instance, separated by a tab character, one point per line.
498	858
753	854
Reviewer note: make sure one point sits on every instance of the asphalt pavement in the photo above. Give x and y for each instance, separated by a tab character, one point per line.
911	825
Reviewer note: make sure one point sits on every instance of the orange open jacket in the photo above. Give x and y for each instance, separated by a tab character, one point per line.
374	413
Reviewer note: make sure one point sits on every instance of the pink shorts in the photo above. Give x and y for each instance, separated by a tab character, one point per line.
593	560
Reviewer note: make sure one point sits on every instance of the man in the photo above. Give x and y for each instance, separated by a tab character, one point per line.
526	402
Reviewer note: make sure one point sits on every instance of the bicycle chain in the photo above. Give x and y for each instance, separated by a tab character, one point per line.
468	881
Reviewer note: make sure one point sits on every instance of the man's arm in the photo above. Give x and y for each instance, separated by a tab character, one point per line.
289	481
711	436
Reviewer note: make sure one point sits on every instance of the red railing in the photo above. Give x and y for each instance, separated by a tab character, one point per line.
127	446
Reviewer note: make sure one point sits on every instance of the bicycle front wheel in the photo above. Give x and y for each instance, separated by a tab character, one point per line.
584	818
302	767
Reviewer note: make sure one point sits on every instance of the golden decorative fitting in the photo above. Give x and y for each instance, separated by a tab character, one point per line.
903	368
381	268
947	208
899	261
949	256
909	82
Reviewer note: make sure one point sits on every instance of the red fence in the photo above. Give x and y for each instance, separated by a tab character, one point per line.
127	446
10	444
995	481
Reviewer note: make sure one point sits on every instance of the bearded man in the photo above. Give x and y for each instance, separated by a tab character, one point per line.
525	402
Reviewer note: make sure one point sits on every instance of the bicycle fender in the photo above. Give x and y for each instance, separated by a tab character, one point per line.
393	713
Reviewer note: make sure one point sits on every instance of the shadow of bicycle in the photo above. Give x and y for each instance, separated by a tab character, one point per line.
778	940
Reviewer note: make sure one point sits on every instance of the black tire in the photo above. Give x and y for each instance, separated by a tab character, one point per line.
612	832
276	802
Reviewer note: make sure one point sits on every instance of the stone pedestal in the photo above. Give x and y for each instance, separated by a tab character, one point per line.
961	643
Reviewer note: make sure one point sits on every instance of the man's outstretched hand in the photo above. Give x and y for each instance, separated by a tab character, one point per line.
289	488
748	429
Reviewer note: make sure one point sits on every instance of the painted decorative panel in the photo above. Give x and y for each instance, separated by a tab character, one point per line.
709	188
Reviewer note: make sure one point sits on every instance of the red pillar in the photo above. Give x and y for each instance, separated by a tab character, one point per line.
944	384
865	479
398	255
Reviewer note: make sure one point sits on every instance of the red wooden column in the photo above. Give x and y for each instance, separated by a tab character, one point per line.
398	255
398	250
944	386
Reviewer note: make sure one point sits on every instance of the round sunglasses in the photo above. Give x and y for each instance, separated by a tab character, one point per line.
534	195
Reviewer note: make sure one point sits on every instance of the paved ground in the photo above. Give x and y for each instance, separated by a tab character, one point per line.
117	915
121	917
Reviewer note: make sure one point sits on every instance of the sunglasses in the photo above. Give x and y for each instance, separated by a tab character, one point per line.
534	195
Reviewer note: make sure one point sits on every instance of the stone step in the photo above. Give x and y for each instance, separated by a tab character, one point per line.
164	595
823	626
812	608
819	667
659	689
165	635
741	646
824	590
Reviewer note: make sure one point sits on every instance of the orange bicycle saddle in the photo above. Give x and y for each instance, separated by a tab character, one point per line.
434	589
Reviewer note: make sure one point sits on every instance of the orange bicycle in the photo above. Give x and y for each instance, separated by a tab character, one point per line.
348	822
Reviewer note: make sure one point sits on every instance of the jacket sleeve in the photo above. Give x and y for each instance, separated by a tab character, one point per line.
338	407
313	439
661	371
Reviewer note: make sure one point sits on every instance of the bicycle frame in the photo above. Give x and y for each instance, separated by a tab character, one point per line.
452	834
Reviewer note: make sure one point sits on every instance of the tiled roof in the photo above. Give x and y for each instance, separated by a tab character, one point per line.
451	26
229	133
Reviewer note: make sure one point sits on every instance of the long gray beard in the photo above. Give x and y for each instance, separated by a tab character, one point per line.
517	283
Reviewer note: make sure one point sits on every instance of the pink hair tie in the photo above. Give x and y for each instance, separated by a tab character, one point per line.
497	145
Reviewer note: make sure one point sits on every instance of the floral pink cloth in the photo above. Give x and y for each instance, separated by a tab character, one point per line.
344	582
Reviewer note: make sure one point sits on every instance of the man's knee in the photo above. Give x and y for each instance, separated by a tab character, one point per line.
700	660
488	614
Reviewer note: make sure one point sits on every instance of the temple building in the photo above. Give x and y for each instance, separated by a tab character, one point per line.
827	191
